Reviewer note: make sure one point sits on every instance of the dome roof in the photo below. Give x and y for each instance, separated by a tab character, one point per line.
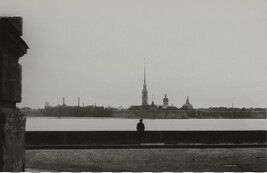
187	105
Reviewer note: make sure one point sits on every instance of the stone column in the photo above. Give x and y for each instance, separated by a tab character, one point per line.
12	121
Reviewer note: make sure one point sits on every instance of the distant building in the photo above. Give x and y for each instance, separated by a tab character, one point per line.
171	108
146	107
120	107
165	101
187	105
153	106
46	105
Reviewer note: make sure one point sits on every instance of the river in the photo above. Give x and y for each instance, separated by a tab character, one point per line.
120	124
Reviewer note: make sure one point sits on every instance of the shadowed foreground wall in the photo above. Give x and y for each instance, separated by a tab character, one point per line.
12	121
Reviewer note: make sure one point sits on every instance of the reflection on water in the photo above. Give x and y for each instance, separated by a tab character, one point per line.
118	124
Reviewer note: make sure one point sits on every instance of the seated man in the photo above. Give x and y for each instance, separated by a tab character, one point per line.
140	129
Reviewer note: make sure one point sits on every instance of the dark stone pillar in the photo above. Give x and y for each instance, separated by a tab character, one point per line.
12	121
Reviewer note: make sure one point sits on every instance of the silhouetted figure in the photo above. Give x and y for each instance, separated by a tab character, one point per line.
140	130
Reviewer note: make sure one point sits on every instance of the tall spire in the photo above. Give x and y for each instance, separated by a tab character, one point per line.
144	72
144	91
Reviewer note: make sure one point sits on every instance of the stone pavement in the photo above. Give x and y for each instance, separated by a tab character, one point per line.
149	160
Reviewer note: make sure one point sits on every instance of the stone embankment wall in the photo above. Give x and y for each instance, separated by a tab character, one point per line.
182	114
168	114
150	114
68	139
258	114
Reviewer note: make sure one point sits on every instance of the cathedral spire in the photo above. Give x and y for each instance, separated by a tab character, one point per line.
144	73
144	91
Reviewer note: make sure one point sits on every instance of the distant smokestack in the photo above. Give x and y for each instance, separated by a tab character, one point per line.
64	104
46	105
79	101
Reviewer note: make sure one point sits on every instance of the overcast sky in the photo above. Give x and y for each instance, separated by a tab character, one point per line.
212	51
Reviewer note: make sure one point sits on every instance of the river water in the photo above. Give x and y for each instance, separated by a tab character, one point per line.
119	124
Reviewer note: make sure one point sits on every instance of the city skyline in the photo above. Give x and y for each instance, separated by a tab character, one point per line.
212	51
165	101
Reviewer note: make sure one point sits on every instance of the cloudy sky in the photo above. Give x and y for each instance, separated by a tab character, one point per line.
213	51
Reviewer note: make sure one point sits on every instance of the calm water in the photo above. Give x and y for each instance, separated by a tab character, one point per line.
117	124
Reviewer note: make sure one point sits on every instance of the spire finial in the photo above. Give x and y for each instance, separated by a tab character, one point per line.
145	70
187	100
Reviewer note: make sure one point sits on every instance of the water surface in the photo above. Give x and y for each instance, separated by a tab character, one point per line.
119	124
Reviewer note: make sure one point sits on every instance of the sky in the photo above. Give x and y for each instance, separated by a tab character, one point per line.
213	51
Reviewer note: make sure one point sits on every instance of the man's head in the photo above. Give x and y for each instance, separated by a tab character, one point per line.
141	120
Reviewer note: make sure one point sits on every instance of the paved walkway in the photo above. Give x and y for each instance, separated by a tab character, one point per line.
147	145
150	160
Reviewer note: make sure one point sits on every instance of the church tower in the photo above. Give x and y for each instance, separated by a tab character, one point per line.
144	91
165	101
